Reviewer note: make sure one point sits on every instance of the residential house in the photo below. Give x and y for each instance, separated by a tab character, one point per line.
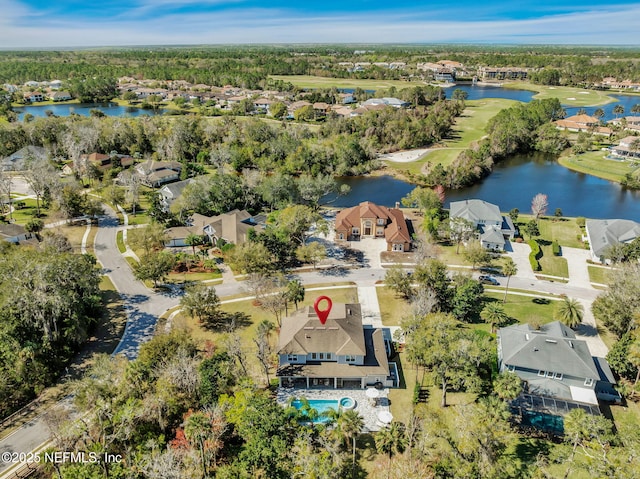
387	101
631	123
263	104
558	371
506	73
628	147
493	227
170	192
321	108
232	227
155	173
583	123
346	98
103	162
296	105
60	96
18	161
341	353
33	96
143	93
603	234
368	220
14	233
55	84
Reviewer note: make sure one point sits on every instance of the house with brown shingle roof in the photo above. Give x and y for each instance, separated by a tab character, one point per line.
368	220
340	353
583	123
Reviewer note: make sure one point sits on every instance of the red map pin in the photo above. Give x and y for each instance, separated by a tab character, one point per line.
323	314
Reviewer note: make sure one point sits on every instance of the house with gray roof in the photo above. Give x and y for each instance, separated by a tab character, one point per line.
494	228
18	160
603	234
14	233
341	353
170	192
553	364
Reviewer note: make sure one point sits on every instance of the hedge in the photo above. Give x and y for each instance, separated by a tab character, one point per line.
535	255
555	248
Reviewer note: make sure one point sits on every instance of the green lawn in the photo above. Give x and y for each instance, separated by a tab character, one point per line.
594	163
24	215
308	81
598	275
565	231
567	95
392	307
469	127
553	265
120	242
524	309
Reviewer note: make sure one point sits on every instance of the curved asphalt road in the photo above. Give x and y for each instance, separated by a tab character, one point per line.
144	306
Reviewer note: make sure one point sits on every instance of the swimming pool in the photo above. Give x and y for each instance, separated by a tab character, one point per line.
322	406
545	422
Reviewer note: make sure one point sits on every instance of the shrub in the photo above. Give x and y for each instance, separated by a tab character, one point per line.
555	248
535	255
581	221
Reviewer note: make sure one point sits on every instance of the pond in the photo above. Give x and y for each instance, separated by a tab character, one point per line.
513	184
84	109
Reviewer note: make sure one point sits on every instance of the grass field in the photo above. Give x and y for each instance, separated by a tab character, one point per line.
523	308
308	81
594	163
567	95
598	275
469	127
565	231
553	265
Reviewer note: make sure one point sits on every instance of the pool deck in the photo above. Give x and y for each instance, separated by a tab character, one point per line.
364	405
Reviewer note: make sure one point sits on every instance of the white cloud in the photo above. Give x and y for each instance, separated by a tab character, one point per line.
613	25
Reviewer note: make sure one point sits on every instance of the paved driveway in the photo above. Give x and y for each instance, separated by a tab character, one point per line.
371	247
578	266
520	256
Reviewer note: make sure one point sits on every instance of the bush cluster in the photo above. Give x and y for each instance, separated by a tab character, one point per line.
535	255
555	248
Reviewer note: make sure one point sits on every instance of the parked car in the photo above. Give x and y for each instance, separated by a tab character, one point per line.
484	279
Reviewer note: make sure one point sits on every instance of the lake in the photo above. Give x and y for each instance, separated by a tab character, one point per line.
84	109
513	184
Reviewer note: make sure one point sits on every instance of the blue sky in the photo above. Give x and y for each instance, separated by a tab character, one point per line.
38	23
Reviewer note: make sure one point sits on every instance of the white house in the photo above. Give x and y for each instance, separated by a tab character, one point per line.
603	234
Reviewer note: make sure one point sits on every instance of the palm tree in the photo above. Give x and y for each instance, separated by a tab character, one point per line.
635	108
193	240
508	269
618	110
599	113
569	311
347	426
507	386
391	440
493	313
197	430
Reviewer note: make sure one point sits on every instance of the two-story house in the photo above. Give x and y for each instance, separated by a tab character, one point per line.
493	227
341	353
368	220
558	371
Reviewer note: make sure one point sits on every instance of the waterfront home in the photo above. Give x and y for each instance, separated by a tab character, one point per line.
368	220
580	123
341	353
387	101
628	147
603	234
60	96
494	228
